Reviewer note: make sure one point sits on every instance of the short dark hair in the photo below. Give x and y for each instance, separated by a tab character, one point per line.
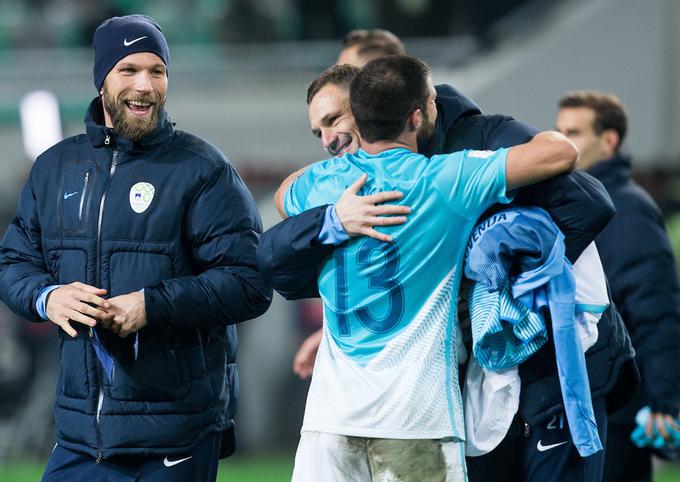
609	111
384	94
340	75
375	50
375	38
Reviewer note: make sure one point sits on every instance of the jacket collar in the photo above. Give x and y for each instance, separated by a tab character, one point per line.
97	132
452	105
616	170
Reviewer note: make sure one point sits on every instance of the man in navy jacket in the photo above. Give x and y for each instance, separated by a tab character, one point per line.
291	253
639	263
138	241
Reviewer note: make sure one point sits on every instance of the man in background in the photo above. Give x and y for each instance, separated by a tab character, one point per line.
361	46
640	266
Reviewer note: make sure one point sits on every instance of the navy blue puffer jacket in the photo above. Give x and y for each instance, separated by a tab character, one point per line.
168	215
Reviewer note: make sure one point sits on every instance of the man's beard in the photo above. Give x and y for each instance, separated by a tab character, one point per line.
128	126
425	131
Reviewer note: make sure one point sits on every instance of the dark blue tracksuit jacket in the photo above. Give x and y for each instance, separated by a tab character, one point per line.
192	251
290	256
639	263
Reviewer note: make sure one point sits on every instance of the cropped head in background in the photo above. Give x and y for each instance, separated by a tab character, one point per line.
361	46
595	121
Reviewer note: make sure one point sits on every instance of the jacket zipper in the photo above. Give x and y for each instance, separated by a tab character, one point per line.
100	395
112	169
82	196
100	401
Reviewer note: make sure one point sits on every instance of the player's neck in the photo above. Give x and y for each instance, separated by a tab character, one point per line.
402	142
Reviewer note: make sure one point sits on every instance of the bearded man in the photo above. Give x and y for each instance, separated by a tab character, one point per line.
138	241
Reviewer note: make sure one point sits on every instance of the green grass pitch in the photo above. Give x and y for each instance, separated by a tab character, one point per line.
276	468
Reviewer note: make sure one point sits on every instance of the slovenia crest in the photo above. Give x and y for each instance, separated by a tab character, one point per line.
141	195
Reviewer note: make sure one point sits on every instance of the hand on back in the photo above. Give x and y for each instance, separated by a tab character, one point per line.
360	214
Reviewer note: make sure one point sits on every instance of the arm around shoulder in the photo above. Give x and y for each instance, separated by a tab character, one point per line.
289	255
546	155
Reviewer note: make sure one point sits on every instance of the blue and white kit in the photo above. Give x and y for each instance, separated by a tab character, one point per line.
387	364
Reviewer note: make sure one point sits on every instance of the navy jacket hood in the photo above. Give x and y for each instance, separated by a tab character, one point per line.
613	172
452	105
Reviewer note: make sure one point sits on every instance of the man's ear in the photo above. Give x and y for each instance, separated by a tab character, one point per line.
415	119
610	142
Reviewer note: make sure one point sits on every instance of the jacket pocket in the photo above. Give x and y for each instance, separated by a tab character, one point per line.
75	198
73	375
68	265
132	270
159	373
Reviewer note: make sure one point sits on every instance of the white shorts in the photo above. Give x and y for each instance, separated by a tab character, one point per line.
327	457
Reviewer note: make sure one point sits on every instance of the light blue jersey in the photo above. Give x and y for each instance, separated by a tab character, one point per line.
371	289
383	301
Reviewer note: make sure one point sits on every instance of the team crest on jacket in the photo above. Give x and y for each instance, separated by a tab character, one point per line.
141	195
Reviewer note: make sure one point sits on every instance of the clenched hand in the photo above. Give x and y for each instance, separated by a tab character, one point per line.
126	314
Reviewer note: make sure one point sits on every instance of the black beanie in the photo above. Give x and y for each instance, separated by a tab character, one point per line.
119	37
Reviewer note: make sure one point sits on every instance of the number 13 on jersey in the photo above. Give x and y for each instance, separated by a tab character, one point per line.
348	265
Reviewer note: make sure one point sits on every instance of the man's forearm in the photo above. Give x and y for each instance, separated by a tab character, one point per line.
219	296
289	254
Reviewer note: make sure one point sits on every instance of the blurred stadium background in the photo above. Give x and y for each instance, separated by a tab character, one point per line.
238	73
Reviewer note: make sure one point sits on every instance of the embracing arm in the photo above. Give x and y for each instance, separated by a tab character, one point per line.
290	254
544	156
222	230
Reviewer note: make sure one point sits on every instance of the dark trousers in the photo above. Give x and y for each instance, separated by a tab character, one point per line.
199	465
624	461
542	453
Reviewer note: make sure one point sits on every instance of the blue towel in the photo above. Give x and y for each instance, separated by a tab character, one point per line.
669	448
526	241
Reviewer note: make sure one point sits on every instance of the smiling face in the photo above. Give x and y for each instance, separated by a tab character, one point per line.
331	120
134	93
